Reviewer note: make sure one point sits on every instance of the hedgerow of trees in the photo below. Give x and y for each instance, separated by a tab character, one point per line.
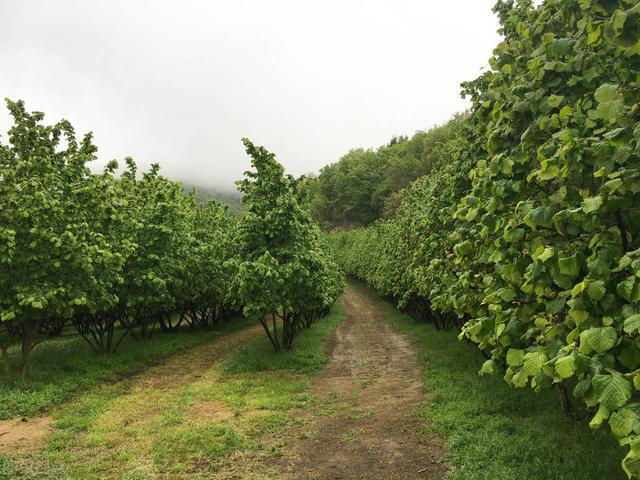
285	269
528	237
117	255
110	255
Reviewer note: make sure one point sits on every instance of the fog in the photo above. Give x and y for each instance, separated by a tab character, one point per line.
181	82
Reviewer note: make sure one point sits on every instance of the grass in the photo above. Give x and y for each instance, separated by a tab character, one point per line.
62	367
308	354
493	431
192	429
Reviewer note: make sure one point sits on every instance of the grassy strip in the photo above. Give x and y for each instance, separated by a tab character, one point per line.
493	431
200	429
308	354
62	367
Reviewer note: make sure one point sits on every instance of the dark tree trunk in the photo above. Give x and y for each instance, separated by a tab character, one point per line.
565	401
272	338
30	339
5	359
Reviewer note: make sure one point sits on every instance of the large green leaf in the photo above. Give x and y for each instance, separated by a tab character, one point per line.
600	339
606	92
623	422
613	391
565	367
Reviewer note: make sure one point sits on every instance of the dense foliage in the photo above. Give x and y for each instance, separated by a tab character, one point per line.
363	185
285	269
533	238
111	255
395	257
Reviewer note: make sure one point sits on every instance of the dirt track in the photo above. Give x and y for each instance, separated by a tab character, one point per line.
372	386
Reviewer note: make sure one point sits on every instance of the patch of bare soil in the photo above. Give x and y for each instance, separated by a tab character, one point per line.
370	390
213	411
23	435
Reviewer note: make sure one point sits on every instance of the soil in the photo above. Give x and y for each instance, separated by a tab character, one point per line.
22	435
371	387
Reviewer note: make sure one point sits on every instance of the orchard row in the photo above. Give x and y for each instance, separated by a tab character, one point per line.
119	254
526	235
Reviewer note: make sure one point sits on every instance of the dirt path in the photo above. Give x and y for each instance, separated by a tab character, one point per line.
23	435
370	390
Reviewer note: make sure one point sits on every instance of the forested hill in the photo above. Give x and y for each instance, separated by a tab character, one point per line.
204	194
365	185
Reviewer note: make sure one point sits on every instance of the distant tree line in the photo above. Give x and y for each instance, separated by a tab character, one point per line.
364	185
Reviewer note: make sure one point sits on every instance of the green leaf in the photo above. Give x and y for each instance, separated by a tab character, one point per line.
596	290
546	254
632	324
581	388
601	415
591	204
569	266
555	101
533	362
7	316
612	391
515	357
600	339
622	422
565	367
488	368
519	380
507	294
631	464
554	306
463	249
598	267
510	274
629	289
514	235
606	92
578	316
539	217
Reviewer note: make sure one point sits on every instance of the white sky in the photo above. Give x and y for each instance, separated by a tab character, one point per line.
180	82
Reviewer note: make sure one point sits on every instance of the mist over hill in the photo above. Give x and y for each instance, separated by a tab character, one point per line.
231	199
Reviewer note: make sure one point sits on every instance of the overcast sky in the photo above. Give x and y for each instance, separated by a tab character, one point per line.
181	82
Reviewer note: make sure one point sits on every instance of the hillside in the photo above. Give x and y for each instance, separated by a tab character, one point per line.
204	194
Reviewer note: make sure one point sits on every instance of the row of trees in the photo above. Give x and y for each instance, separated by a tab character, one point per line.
111	255
528	236
118	255
285	268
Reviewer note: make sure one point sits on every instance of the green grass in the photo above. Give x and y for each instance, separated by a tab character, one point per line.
62	367
493	431
232	412
307	355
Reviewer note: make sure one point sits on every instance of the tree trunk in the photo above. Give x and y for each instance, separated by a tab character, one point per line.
565	401
274	341
5	360
25	351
